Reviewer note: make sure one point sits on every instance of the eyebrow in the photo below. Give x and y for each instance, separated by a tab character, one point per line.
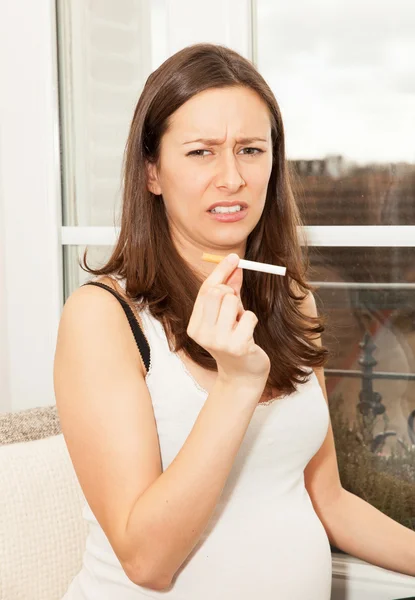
217	142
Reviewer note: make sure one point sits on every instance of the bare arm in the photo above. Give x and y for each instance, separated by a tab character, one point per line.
172	514
152	519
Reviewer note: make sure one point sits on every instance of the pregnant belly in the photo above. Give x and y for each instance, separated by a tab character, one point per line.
276	554
280	552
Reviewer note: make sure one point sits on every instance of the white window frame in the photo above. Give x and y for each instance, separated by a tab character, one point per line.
351	236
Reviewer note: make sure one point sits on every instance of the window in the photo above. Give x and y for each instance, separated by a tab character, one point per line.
104	58
343	76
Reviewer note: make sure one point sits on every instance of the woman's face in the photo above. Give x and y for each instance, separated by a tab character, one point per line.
217	149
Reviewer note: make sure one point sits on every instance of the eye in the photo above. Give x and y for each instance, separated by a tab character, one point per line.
197	153
252	151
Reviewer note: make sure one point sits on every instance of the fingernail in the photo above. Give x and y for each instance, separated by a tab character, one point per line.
233	258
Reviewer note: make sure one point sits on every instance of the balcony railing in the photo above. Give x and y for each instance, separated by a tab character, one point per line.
370	402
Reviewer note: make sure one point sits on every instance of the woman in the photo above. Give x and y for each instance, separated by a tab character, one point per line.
206	455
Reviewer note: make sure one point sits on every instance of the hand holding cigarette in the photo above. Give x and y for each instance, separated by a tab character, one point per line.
248	264
220	324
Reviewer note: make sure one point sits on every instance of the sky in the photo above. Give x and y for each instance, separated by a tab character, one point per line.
343	73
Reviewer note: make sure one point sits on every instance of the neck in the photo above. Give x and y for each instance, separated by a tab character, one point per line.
192	254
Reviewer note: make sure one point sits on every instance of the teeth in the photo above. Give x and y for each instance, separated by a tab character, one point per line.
226	209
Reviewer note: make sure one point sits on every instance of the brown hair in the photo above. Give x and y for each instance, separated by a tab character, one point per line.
152	267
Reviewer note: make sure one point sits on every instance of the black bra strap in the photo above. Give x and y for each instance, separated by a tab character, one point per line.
139	336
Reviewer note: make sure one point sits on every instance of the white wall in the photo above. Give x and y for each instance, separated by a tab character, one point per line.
30	269
4	359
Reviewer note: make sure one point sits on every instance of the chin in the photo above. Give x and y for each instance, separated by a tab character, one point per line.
226	245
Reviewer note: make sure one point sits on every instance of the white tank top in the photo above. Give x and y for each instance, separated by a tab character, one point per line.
264	539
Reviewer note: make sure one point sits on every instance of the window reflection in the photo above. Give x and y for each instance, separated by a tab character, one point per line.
370	376
332	192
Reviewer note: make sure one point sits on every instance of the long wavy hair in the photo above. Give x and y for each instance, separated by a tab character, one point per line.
145	255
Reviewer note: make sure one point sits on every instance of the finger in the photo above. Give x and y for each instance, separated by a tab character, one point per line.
228	313
203	297
235	280
212	302
241	310
244	330
228	289
222	271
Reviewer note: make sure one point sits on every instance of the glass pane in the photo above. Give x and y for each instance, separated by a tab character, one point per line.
395	266
104	59
344	77
74	276
368	298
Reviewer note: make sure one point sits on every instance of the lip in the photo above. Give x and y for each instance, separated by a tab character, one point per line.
223	203
230	217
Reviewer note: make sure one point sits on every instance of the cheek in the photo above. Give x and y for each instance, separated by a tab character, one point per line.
260	178
184	177
184	190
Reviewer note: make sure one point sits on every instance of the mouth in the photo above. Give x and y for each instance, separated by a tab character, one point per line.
227	207
235	214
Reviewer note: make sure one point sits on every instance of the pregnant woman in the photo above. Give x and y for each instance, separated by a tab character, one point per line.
191	395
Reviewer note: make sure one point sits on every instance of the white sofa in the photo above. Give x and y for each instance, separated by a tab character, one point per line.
42	533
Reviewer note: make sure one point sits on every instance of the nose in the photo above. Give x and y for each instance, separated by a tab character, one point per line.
228	176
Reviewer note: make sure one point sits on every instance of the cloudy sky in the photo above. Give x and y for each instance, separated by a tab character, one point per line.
343	74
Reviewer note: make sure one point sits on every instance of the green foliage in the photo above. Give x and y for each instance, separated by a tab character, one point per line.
386	482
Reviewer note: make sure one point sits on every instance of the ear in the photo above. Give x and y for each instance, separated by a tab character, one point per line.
152	179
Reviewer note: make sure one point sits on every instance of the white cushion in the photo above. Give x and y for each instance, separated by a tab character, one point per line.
42	533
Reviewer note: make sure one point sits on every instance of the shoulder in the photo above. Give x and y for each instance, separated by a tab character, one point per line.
89	305
308	305
108	281
92	317
307	300
96	297
91	308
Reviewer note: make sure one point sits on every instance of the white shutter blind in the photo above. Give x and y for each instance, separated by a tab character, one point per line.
105	58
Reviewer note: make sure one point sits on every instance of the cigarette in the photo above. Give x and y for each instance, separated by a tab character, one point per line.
248	264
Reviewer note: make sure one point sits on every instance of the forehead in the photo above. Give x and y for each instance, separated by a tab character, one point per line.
219	112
